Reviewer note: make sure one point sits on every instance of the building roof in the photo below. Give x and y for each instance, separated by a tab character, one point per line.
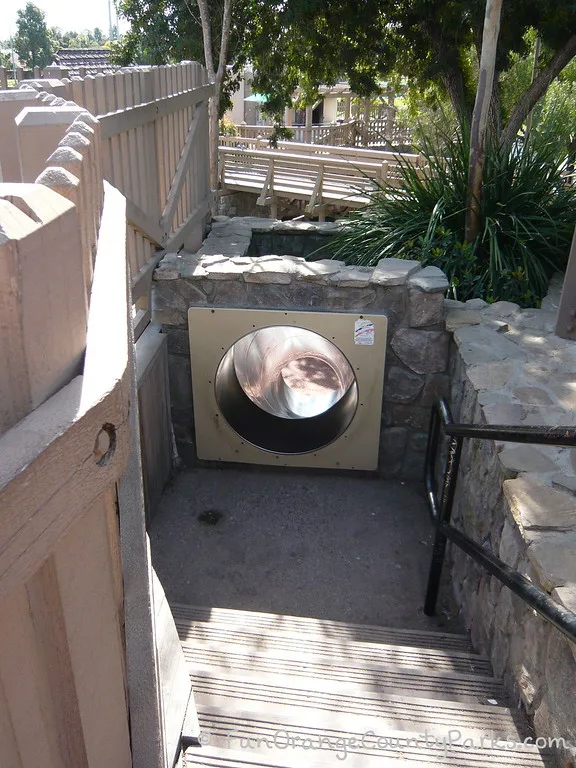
95	59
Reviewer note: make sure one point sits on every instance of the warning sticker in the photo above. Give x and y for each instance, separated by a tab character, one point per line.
364	332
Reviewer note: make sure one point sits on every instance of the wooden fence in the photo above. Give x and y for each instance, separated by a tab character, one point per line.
91	671
155	150
318	174
64	446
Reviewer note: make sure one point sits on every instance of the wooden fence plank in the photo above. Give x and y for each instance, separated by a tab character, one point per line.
154	402
181	171
85	576
21	676
62	709
10	751
566	323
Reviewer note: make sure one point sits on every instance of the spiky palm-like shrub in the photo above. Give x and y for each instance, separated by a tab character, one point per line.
528	215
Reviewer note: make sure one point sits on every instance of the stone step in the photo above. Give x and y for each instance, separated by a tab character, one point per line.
320	628
377	678
401	713
282	644
265	739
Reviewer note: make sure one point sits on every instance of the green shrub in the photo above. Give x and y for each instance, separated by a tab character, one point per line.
528	218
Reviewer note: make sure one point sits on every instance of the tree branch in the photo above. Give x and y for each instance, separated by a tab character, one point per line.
535	91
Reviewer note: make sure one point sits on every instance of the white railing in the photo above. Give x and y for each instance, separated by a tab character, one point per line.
322	175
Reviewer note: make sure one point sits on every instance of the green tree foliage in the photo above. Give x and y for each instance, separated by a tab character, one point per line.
32	41
434	43
84	39
431	42
5	57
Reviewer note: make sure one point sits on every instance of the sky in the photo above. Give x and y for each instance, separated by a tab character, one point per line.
73	15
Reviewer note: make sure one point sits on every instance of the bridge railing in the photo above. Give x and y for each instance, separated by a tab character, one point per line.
352	133
295	147
335	175
335	134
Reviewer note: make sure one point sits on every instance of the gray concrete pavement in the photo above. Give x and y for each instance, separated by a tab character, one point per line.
327	546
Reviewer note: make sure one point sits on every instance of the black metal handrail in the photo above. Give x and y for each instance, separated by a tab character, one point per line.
441	510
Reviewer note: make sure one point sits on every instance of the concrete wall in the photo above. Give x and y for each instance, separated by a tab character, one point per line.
330	109
220	274
508	367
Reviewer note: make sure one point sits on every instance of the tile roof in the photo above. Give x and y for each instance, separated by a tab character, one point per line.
72	59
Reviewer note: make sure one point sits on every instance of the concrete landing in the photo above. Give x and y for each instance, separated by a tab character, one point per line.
331	547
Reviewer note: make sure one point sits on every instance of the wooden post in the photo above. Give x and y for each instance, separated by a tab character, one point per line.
11	104
347	106
39	131
308	126
42	294
3	79
566	323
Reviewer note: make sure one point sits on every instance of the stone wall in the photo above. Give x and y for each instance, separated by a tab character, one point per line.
508	367
220	274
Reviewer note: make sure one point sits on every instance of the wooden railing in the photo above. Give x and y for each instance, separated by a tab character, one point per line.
334	134
353	133
320	175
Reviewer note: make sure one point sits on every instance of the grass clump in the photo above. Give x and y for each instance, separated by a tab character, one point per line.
528	218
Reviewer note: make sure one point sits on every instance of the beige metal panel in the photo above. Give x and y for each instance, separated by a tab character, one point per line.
213	331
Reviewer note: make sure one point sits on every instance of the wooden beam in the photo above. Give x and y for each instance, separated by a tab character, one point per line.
264	198
124	120
180	175
566	323
143	278
317	191
177	240
144	224
141	322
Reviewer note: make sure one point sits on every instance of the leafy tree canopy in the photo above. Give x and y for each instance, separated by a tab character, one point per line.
32	41
307	43
85	39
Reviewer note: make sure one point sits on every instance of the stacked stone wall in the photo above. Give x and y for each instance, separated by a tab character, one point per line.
220	274
508	367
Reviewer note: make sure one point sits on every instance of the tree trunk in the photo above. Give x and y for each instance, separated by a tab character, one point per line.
452	79
216	77
536	90
214	135
480	118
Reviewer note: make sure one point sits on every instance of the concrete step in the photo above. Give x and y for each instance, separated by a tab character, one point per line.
319	628
283	644
364	677
266	739
232	693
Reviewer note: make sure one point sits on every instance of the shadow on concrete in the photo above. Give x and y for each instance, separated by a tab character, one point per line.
330	547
